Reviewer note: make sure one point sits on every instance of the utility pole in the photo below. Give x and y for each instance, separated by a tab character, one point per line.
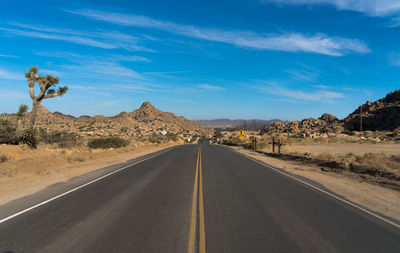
361	120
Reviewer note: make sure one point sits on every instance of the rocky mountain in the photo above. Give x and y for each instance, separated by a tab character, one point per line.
310	127
381	115
145	121
237	123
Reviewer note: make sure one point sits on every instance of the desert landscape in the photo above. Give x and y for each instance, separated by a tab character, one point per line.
69	146
362	166
200	126
328	150
373	153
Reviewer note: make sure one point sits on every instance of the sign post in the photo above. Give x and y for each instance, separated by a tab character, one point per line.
241	134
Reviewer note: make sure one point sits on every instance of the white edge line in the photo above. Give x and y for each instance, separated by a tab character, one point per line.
320	190
79	187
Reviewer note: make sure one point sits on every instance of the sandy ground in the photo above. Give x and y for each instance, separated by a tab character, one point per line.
343	149
29	171
374	197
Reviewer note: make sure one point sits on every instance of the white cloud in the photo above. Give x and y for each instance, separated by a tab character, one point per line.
103	69
132	87
68	38
78	57
9	75
137	87
210	87
102	39
51	72
303	75
369	7
97	67
129	58
289	42
9	56
6	94
315	95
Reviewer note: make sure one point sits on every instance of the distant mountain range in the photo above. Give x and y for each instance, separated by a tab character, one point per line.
251	124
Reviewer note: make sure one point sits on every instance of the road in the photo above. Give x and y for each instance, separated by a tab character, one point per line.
196	198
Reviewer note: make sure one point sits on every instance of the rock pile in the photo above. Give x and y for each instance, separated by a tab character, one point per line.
382	115
321	127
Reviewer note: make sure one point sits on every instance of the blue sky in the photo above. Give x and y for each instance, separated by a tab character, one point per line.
265	59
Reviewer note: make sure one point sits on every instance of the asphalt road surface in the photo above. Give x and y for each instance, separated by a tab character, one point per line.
196	198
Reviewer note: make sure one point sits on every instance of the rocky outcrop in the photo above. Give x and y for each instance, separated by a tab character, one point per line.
147	112
329	117
326	124
255	124
382	115
145	121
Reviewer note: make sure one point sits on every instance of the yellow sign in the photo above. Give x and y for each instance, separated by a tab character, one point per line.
241	133
241	137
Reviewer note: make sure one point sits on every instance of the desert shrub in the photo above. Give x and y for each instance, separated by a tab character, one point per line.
348	132
12	134
262	145
4	158
63	139
156	138
28	136
7	131
396	158
108	142
326	156
172	136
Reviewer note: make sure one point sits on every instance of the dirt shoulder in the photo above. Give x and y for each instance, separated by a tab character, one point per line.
343	149
374	197
28	171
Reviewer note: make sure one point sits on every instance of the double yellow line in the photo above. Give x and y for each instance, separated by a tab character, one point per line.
197	208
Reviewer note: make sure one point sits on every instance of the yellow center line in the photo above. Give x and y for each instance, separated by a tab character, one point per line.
198	187
192	233
202	240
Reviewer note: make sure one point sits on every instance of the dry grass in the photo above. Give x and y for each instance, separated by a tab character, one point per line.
376	162
343	149
379	167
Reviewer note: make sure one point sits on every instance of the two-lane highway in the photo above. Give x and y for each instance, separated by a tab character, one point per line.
197	198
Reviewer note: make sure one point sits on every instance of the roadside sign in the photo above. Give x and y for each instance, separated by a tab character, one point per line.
241	132
163	132
241	137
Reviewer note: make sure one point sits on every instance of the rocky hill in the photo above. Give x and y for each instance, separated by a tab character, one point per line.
237	123
145	121
310	127
382	115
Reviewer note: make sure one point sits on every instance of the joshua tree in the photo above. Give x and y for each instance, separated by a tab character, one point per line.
21	114
47	89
